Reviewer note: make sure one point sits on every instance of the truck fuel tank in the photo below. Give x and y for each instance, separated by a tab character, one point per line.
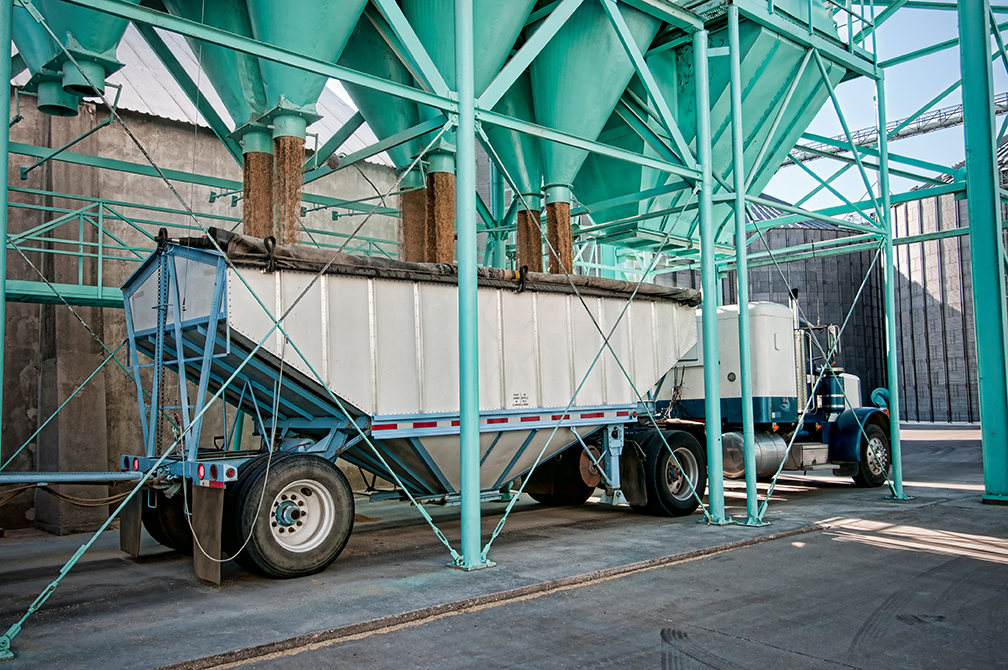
770	451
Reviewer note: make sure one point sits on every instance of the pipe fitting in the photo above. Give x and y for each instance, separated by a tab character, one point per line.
75	80
289	125
441	161
256	140
558	193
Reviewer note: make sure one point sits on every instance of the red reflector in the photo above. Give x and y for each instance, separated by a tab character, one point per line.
593	415
201	471
501	420
622	413
384	426
230	472
558	417
425	424
216	485
530	418
455	422
213	472
136	464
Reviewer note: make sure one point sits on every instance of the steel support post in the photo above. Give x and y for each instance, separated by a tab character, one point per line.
890	296
986	247
709	281
465	216
6	9
742	271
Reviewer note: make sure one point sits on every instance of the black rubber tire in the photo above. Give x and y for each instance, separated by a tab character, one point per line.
151	519
167	522
232	539
333	498
870	472
568	487
664	499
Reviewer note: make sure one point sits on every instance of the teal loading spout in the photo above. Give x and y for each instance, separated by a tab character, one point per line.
316	28
577	80
38	49
91	37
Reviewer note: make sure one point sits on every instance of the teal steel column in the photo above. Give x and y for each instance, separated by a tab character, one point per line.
6	10
709	282
986	249
890	298
465	216
742	271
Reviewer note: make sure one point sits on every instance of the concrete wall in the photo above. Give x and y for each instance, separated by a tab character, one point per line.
48	352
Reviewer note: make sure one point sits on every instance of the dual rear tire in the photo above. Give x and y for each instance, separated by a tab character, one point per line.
675	476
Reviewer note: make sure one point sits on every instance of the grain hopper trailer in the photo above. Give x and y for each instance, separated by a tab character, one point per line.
789	372
364	368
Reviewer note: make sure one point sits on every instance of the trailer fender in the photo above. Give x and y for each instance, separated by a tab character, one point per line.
845	439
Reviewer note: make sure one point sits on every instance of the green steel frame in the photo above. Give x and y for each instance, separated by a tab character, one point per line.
690	168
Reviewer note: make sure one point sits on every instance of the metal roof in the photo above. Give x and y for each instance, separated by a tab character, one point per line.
149	88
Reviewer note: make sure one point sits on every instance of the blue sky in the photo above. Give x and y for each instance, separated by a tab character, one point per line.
908	87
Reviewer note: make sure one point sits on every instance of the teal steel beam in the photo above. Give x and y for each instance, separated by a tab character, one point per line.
823	184
190	89
886	14
708	272
619	201
465	214
669	13
830	188
521	60
896	158
742	271
6	12
139	14
893	158
927	106
665	115
76	295
763	225
178	175
336	141
927	51
409	48
986	245
892	371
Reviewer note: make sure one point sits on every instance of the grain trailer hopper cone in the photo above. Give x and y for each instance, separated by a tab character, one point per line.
379	339
237	79
576	81
315	28
496	26
367	51
39	52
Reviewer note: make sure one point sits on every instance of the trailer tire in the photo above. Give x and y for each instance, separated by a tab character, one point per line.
875	457
232	539
306	517
668	494
167	522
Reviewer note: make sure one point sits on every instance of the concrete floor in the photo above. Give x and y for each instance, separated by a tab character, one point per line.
843	577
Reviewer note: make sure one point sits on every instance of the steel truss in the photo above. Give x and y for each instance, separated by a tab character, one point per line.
716	247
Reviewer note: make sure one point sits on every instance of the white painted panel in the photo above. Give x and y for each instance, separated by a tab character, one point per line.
645	370
439	337
350	340
519	352
395	330
554	348
587	343
244	313
490	354
195	286
143	303
618	389
304	324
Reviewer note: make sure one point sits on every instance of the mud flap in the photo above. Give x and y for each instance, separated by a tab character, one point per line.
207	516
632	475
130	523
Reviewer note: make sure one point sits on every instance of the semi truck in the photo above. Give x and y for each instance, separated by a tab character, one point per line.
357	359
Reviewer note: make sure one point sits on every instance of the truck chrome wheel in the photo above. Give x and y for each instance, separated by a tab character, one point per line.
877	457
874	457
681	479
303	516
674	485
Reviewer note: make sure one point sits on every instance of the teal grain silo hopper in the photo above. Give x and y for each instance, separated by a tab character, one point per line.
38	51
237	79
367	51
772	66
91	38
577	80
496	26
315	28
